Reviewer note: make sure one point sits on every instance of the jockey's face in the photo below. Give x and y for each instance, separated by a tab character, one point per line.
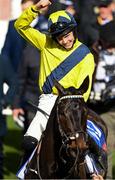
67	40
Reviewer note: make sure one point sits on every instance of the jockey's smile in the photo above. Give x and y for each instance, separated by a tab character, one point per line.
67	40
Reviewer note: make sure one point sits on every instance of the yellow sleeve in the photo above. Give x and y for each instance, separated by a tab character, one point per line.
87	69
90	66
33	36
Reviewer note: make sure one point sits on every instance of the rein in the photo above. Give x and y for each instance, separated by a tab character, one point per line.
73	167
74	164
38	109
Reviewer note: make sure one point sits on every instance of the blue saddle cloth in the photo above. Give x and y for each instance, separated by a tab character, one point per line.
97	134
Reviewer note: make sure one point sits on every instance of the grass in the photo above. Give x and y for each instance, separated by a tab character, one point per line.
12	151
113	165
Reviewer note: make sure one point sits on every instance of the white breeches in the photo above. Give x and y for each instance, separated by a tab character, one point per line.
38	124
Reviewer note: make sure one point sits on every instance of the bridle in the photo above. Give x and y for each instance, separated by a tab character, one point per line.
66	139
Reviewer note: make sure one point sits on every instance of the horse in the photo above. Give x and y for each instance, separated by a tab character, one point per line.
65	141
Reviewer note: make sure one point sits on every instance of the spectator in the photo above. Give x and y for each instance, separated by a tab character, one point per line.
105	12
27	90
88	32
105	15
14	44
6	76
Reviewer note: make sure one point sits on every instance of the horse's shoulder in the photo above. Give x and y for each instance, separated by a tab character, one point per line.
93	116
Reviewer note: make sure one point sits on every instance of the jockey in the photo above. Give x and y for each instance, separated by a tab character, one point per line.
63	58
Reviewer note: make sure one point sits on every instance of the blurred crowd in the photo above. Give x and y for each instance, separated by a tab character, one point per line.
19	61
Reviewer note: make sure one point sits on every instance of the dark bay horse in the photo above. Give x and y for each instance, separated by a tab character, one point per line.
65	141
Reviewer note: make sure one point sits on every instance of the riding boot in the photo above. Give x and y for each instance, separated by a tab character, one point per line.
32	168
29	143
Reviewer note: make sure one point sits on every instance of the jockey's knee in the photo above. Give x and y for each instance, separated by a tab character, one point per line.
29	143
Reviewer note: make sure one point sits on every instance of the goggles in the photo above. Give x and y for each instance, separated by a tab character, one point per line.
59	26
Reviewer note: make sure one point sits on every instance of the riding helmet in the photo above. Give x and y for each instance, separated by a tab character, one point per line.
61	22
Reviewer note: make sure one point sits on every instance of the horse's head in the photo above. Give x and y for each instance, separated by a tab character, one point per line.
72	112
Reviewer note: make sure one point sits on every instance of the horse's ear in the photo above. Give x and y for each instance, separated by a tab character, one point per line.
85	85
59	87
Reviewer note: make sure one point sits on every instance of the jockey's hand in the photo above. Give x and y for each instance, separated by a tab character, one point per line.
16	112
97	177
42	5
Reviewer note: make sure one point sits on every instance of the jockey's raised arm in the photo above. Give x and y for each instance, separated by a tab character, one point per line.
23	24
